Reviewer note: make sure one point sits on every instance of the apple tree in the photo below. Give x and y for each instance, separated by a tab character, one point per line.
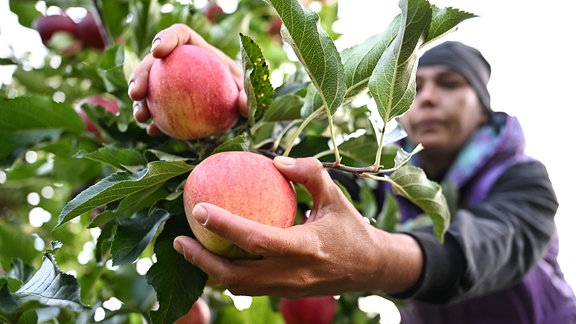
90	204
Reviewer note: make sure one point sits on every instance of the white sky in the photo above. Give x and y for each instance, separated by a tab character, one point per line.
527	43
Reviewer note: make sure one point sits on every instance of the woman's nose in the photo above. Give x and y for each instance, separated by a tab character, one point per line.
426	93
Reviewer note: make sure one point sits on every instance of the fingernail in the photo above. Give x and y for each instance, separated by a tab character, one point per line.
130	87
200	214
155	43
284	160
136	107
178	247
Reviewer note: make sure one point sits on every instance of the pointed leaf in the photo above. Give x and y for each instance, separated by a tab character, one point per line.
241	142
51	287
444	20
315	50
392	83
119	158
402	156
120	185
131	204
256	78
411	183
133	235
360	60
177	282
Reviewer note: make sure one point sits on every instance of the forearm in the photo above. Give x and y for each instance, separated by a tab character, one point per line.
399	263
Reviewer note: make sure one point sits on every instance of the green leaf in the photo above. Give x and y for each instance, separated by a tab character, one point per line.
411	182
241	142
444	20
8	303
315	50
19	270
362	148
120	185
360	60
132	203
133	235
286	107
389	216
119	158
26	121
224	35
177	282
392	84
51	287
256	78
111	69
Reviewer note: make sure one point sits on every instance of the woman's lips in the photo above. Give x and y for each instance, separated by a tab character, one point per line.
428	125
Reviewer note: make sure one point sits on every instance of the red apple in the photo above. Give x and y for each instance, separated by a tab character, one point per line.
213	11
246	184
89	31
109	103
48	25
192	94
199	313
308	310
274	29
58	32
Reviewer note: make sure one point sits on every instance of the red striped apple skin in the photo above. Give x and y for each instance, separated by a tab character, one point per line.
246	184
192	94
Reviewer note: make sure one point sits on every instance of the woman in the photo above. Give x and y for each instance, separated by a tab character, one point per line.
498	261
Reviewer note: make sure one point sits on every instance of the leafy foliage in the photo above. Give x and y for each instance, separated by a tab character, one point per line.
117	193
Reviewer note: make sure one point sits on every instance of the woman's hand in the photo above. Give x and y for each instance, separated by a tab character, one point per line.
164	42
335	251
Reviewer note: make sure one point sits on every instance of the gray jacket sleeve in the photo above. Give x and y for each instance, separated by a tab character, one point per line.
492	245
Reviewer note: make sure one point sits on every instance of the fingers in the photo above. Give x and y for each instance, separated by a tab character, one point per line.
178	34
138	82
311	174
243	103
196	254
162	45
251	236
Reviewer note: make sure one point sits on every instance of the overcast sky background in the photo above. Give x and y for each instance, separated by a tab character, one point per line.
528	45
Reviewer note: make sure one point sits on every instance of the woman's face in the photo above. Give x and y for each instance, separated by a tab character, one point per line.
445	112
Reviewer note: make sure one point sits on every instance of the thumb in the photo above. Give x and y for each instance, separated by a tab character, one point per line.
310	173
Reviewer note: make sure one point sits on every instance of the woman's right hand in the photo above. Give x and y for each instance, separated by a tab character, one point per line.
164	42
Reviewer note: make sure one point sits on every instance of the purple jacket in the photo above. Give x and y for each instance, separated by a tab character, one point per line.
498	263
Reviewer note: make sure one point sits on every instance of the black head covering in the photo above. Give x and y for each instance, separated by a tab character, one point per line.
466	61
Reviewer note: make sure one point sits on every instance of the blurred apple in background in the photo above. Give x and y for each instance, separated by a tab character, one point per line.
108	102
90	32
58	32
213	11
199	314
308	310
